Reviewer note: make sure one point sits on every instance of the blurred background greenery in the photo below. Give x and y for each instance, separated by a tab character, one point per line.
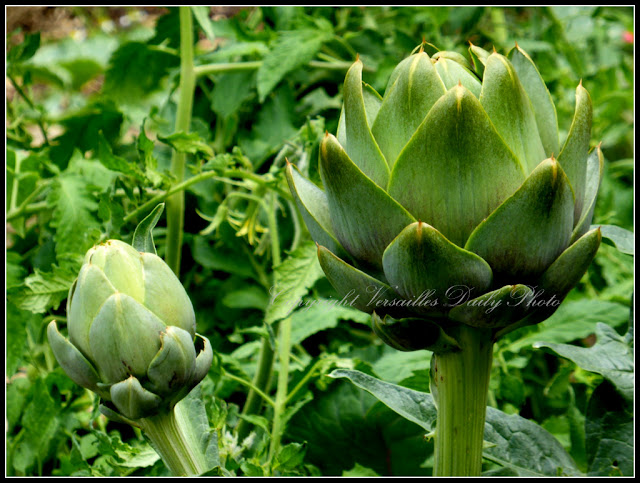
89	83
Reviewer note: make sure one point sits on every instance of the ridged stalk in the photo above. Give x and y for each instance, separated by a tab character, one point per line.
172	437
460	384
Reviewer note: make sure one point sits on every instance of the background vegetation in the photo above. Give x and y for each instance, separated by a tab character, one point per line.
91	106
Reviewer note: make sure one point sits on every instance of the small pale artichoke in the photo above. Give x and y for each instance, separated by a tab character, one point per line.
450	200
132	336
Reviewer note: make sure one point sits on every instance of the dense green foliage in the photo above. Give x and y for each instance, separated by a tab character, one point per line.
90	138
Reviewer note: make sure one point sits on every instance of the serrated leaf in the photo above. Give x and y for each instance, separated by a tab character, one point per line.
517	443
190	143
345	425
609	431
230	91
322	315
40	422
116	163
76	227
82	130
291	456
42	290
611	357
136	70
293	49
293	278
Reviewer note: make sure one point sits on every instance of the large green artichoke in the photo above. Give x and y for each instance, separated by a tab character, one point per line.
131	332
451	200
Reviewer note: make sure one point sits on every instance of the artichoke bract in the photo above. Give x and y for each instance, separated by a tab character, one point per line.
132	337
451	200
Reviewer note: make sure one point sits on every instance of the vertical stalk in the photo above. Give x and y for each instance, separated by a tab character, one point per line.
265	361
460	384
175	204
284	352
172	437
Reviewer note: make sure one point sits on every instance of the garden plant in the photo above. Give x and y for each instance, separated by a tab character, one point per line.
353	241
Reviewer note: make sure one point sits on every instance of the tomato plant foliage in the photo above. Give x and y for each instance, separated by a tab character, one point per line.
90	136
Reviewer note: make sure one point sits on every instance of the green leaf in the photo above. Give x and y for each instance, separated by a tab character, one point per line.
623	240
202	17
136	70
143	234
290	456
16	336
82	130
26	49
293	49
230	91
359	470
273	126
43	290
518	444
610	357
116	163
190	143
609	433
40	423
192	415
344	426
77	229
293	279
323	314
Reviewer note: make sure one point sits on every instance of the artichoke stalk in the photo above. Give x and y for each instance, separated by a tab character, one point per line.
132	341
453	213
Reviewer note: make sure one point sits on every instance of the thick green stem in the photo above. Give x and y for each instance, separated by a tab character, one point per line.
175	204
460	384
173	438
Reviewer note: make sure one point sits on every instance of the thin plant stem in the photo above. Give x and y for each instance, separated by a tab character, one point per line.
175	203
265	361
250	385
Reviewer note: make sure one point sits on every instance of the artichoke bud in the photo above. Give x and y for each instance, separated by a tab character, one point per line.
455	178
131	328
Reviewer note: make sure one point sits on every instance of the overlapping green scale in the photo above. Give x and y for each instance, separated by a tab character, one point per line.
455	177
